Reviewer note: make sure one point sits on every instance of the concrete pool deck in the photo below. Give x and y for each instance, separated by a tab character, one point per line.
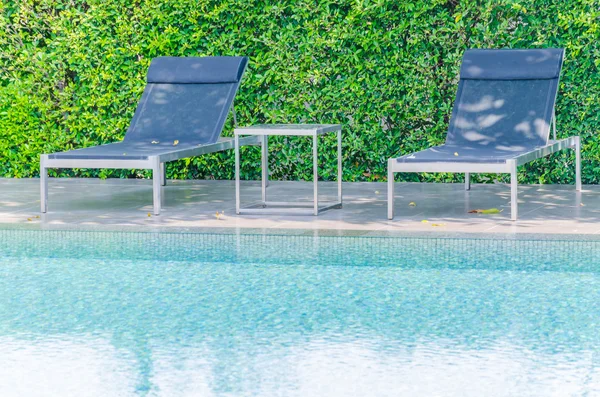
440	208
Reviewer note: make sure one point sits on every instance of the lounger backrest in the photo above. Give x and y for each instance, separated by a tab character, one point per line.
505	98
186	99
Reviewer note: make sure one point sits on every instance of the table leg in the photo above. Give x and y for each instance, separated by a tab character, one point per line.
265	167
315	175
390	189
43	184
339	136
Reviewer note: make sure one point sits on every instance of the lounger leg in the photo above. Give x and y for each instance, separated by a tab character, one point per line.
513	190
467	181
390	189
43	184
156	185
237	173
163	174
577	163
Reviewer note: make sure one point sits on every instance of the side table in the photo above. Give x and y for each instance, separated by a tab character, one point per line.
266	130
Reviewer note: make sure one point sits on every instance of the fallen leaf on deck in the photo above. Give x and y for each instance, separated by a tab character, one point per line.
219	214
376	191
424	221
175	142
438	224
155	142
583	205
37	217
29	219
488	211
412	204
149	215
456	153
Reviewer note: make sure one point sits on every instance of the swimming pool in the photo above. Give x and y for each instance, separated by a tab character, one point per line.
176	314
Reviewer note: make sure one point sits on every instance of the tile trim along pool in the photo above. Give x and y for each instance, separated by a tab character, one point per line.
313	232
256	246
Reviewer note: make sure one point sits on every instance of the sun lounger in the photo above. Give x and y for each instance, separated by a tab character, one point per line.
181	114
502	116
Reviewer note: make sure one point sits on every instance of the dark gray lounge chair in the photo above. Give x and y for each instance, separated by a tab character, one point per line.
501	119
181	114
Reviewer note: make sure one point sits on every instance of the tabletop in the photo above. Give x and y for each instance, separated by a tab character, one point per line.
288	129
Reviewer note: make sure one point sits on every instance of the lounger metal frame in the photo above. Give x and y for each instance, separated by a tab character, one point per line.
509	167
154	163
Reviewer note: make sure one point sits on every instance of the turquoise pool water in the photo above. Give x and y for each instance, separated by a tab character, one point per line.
149	314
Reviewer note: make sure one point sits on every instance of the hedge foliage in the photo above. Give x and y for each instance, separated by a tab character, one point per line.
71	73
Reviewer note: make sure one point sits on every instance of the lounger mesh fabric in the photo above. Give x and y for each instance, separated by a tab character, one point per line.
503	106
185	104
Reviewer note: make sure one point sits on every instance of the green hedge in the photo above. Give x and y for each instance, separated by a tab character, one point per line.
71	73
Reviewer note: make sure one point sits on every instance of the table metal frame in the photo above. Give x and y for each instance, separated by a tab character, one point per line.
264	131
